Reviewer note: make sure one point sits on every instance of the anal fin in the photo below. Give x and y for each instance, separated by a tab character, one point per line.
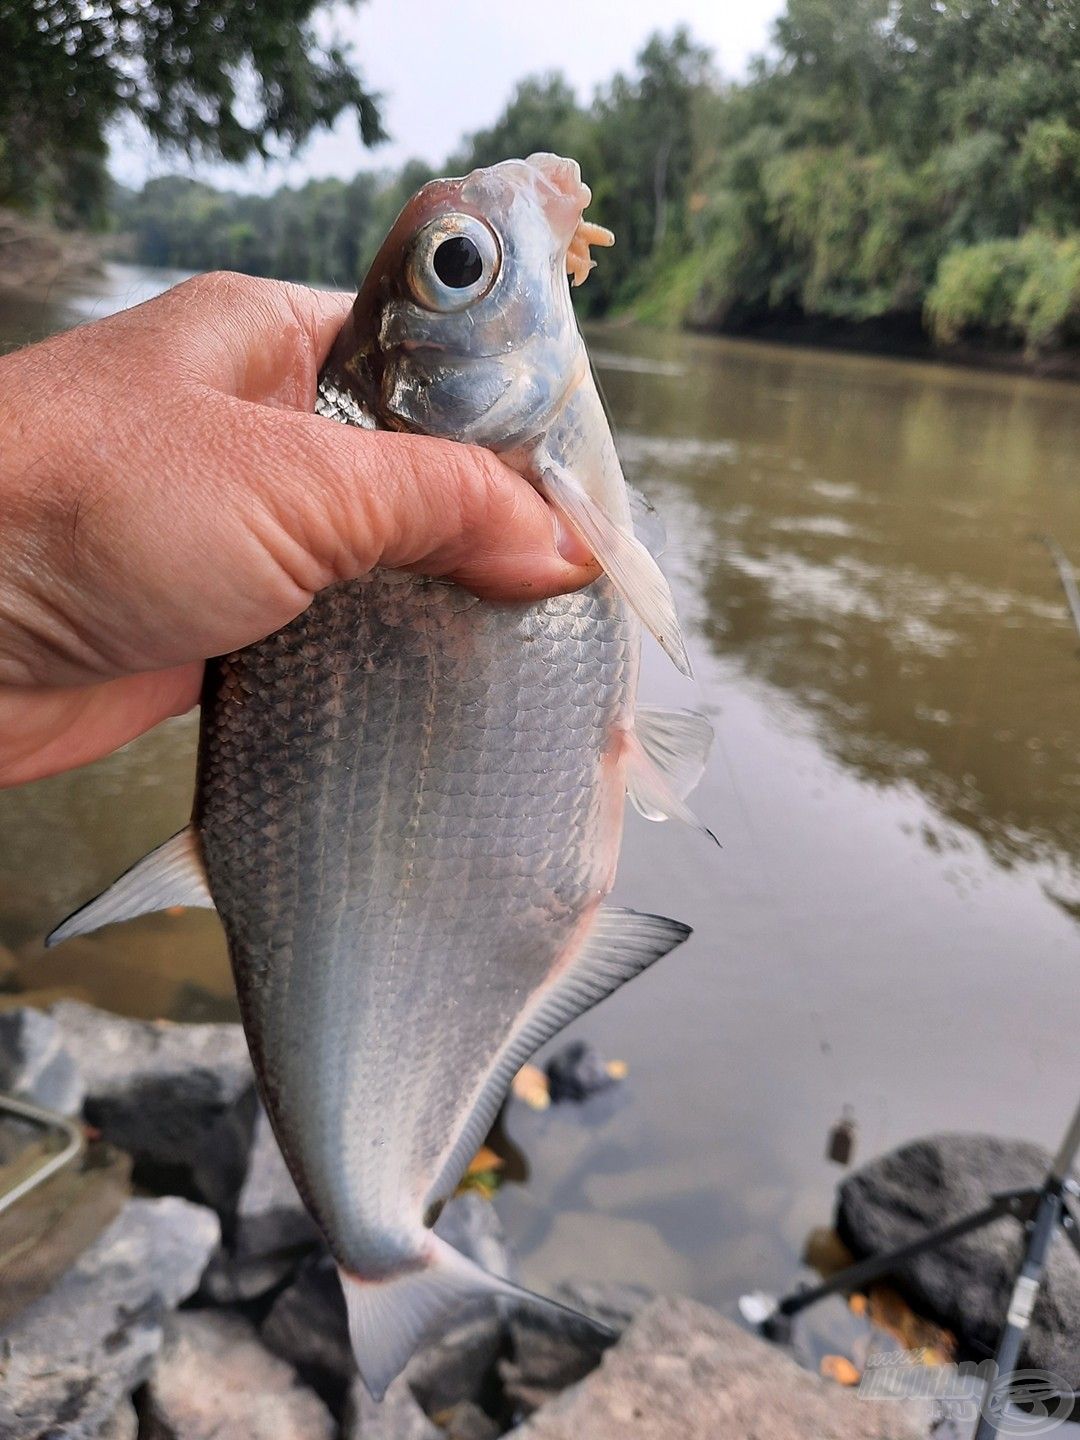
173	874
620	944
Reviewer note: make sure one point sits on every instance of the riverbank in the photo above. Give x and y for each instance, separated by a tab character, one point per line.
167	1283
36	258
180	1197
901	337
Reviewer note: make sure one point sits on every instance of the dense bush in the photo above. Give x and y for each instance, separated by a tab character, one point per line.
1026	289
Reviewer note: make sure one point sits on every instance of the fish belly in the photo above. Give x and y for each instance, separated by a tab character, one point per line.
406	809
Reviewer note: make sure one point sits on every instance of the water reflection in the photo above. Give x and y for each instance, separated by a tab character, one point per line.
25	318
864	535
68	836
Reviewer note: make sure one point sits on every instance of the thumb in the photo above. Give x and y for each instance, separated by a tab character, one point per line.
344	500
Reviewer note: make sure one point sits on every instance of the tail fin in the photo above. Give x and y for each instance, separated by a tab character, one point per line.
390	1319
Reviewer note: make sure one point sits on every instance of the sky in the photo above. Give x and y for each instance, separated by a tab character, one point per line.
448	67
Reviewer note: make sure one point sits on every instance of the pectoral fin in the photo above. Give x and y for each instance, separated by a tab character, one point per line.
666	762
173	874
648	526
625	560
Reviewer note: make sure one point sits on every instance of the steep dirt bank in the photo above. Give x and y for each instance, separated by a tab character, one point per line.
35	257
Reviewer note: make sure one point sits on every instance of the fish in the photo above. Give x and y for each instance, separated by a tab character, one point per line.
409	801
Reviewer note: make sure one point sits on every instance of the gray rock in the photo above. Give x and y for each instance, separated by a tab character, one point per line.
123	1424
228	1281
270	1216
180	1099
442	1377
683	1370
612	1303
577	1071
306	1325
966	1284
545	1361
214	1379
551	1350
270	1231
467	1421
471	1224
458	1365
34	1063
72	1357
397	1417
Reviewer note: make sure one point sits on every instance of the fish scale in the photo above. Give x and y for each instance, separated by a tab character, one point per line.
469	757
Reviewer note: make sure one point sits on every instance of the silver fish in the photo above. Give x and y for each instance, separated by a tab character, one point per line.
409	802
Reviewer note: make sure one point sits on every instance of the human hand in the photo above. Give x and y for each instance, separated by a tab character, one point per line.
166	495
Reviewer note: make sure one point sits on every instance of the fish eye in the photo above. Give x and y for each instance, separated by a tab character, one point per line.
458	262
453	261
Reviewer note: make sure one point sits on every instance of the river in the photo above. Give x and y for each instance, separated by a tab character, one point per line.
891	924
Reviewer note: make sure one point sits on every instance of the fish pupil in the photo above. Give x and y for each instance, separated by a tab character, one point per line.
458	263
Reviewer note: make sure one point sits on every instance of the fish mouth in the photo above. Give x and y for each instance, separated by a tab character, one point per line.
565	197
394	338
562	177
411	346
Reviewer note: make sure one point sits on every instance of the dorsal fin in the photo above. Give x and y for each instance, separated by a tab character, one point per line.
173	874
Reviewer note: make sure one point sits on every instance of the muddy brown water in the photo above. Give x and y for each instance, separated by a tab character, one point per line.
893	922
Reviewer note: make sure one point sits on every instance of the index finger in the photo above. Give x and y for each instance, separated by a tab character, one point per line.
258	340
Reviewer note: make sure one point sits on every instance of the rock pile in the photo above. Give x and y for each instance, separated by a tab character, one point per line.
259	1348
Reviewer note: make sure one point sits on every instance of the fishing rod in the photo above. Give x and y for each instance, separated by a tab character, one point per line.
1044	1211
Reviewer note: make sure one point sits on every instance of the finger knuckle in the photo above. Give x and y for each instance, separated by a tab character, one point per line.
489	498
220	283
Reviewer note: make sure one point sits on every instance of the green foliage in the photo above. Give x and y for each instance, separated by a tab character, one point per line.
850	228
892	160
226	78
323	232
635	146
543	114
644	136
1027	289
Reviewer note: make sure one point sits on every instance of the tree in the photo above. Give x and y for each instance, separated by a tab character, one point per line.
890	163
225	78
645	132
542	114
